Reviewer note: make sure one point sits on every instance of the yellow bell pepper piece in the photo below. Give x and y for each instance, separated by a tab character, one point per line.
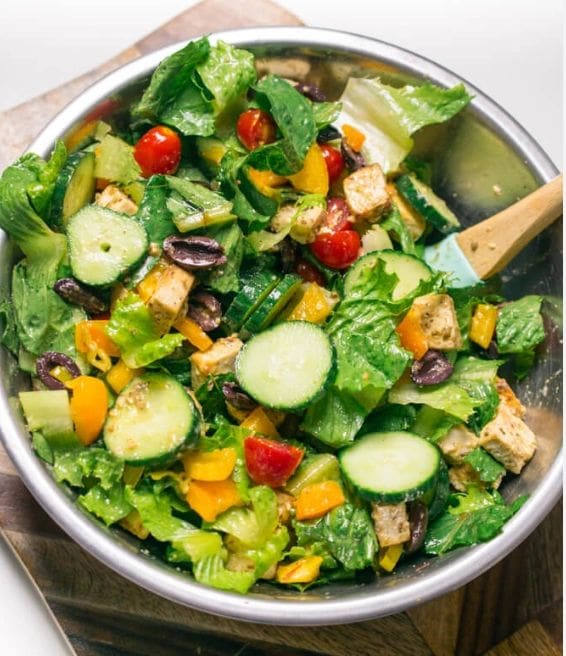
214	465
483	324
210	498
389	557
148	286
313	177
303	570
133	523
353	136
317	499
61	374
194	333
89	406
92	340
258	422
120	375
313	305
265	181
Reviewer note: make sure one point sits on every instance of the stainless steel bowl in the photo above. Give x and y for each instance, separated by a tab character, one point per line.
479	149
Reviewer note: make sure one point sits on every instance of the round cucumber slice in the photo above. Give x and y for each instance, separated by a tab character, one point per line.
152	419
391	467
410	270
286	367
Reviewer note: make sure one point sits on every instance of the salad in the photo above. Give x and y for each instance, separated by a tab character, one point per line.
237	351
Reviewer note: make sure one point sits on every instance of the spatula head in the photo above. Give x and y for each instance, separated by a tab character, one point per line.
447	256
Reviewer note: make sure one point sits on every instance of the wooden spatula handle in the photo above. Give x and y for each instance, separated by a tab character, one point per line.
492	244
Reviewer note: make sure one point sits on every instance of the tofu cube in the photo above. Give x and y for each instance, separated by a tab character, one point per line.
508	439
306	223
438	321
170	296
507	397
457	443
219	359
391	523
115	199
463	475
366	192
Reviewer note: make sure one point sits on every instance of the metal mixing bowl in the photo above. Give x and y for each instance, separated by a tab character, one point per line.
481	148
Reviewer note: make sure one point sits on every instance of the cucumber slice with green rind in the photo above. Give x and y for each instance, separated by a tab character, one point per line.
262	317
254	288
391	467
288	366
152	419
104	245
410	270
74	187
423	199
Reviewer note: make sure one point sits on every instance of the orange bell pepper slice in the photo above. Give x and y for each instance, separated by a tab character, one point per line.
89	407
313	177
303	570
353	136
411	334
92	332
317	499
193	333
258	422
210	498
214	465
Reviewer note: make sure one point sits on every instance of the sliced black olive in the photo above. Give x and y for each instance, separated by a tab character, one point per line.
194	252
46	362
418	522
431	369
352	158
236	396
311	91
73	292
206	310
288	254
329	133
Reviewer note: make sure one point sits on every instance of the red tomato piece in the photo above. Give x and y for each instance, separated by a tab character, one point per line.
158	151
337	250
338	215
334	161
269	462
310	273
255	128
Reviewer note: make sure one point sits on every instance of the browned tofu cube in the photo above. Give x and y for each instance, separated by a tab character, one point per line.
391	523
115	199
366	192
438	321
457	443
170	297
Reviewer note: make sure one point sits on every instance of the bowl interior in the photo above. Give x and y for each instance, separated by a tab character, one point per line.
482	162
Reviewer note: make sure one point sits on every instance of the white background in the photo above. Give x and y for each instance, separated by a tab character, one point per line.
511	49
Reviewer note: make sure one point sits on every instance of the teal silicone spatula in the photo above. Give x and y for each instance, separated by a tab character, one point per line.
486	248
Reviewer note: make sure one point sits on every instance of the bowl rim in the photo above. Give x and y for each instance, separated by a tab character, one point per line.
161	579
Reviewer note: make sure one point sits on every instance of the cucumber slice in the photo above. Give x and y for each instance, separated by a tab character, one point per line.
409	269
262	317
313	469
152	419
49	412
286	367
104	245
391	467
74	187
423	199
255	286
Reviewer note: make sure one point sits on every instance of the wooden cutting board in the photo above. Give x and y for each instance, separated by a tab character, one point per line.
513	610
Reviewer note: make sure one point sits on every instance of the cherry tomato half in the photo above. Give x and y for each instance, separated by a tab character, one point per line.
338	215
269	462
336	250
310	273
255	128
158	151
334	161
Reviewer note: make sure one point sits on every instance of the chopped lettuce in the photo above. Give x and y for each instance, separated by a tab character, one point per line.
294	117
394	223
226	279
212	571
153	213
477	377
325	113
133	329
388	116
390	417
433	424
449	397
486	467
81	467
108	505
347	532
115	161
40	192
471	518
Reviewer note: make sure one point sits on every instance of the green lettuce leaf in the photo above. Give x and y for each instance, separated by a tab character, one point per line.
194	206
153	213
133	329
226	279
40	192
347	532
325	113
212	571
487	468
477	377
394	223
115	161
390	418
388	116
108	505
474	517
82	468
433	424
449	397
190	113
294	117
269	553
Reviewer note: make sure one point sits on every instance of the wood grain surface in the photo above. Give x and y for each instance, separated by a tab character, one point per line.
512	610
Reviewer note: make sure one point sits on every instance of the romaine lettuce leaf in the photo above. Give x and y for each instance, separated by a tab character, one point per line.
477	377
477	516
270	553
212	571
388	116
153	213
390	417
394	223
108	505
294	117
325	113
132	328
449	397
226	279
40	192
115	160
487	468
347	532
433	424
